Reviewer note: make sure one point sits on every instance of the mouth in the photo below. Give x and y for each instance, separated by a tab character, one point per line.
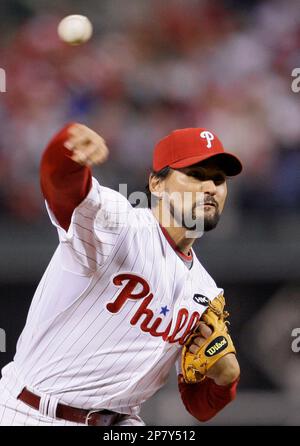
210	204
206	205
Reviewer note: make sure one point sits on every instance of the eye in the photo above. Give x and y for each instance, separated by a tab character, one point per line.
201	175
219	179
197	174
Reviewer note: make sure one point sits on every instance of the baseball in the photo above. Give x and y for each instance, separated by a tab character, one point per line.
75	29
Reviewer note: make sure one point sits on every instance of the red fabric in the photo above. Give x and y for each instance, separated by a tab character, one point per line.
187	257
185	147
205	399
64	183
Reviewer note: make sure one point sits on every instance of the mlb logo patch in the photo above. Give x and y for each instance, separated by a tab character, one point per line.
201	300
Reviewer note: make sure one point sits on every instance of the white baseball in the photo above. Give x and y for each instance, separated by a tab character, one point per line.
75	29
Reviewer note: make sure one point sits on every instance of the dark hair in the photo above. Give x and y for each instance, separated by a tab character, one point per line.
161	174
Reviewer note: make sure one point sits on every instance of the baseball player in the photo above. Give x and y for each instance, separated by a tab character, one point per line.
124	297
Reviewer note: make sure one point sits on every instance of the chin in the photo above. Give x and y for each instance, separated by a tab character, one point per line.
210	223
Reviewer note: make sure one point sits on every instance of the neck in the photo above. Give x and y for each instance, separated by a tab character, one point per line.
177	234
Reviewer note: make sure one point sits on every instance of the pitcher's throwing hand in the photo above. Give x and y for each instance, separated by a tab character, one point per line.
88	147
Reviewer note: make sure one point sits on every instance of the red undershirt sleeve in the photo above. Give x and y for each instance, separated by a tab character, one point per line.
64	183
205	399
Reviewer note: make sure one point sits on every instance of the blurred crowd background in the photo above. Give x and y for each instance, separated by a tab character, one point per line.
153	66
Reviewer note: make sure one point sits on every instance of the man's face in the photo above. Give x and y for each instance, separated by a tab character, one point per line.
202	190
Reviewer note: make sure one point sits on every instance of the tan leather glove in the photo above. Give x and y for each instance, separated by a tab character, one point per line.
218	344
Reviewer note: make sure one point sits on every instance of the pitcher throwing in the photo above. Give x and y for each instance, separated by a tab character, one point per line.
124	297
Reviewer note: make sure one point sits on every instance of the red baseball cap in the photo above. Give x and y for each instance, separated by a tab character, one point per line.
185	147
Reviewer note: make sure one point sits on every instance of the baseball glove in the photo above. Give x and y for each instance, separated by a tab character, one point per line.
196	365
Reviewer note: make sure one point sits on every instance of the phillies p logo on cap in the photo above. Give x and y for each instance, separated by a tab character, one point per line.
185	147
209	137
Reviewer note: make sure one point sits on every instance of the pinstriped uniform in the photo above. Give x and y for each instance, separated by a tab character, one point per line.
77	351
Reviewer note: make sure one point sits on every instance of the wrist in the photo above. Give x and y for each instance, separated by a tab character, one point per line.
226	379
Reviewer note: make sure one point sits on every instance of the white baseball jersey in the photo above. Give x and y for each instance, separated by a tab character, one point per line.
112	310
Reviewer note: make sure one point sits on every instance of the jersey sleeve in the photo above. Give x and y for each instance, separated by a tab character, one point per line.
89	217
205	399
95	226
64	183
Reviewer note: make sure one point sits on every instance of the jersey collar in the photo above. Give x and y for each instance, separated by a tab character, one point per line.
185	257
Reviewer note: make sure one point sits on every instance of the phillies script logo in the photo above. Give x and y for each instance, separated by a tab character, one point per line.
144	315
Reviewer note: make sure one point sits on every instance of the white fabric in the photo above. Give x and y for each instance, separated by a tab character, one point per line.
73	346
14	412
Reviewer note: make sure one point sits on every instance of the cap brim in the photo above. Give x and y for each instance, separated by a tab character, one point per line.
227	161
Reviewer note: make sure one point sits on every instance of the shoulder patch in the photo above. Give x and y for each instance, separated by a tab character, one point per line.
201	299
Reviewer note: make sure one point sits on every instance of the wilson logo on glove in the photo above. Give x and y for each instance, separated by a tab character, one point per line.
216	346
201	300
195	366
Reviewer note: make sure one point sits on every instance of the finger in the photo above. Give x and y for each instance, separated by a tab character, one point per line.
86	150
69	145
199	341
86	145
79	130
79	158
74	145
97	158
204	330
80	140
100	149
91	155
75	131
194	349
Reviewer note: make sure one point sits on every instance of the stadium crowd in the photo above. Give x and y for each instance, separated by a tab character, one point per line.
225	65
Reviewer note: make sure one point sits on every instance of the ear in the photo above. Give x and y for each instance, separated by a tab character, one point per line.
156	186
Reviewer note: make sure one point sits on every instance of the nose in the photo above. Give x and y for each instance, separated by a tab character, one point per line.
208	187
